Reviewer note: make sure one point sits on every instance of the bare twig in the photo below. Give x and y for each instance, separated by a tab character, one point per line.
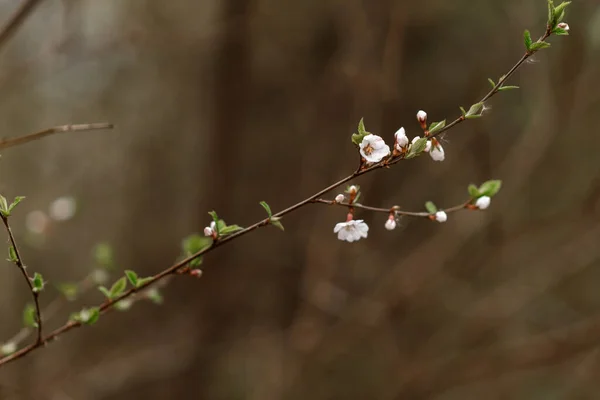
108	304
16	20
6	143
19	263
394	209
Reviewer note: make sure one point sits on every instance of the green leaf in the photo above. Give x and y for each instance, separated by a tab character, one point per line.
416	148
12	255
474	111
143	281
105	292
29	316
16	201
266	207
215	218
4	206
37	282
503	88
229	229
132	277
551	12
491	81
275	222
527	38
118	287
430	207
463	111
490	188
220	226
436	126
560	32
539	45
474	191
103	255
357	138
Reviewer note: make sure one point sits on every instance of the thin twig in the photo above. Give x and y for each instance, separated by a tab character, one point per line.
394	209
6	143
21	266
16	20
107	305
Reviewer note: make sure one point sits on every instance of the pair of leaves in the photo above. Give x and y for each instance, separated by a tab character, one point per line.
221	228
500	89
275	221
488	188
532	46
556	13
88	316
5	208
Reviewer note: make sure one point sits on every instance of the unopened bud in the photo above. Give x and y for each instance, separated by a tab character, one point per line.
390	224
422	118
208	231
196	273
339	198
563	25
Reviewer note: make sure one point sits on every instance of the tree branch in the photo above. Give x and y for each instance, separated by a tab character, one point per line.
6	143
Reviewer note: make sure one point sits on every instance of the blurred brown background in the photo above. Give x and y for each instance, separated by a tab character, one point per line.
219	104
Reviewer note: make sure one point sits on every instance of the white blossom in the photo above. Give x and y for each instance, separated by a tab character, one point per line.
390	224
373	148
441	216
427	145
564	25
422	116
339	198
437	153
352	230
483	202
401	139
352	189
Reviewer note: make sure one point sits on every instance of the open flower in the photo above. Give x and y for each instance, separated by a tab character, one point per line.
483	202
352	230
401	139
437	152
441	216
373	148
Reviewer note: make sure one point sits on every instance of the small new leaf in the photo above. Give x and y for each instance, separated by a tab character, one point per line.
503	88
539	45
463	111
132	277
416	148
474	191
118	287
491	81
215	218
527	38
357	138
105	292
12	255
29	318
142	281
474	111
93	315
275	222
490	188
436	126
430	207
229	229
560	32
38	282
16	201
4	206
266	207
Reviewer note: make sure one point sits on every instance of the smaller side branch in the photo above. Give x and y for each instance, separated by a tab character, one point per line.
394	209
11	142
21	266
